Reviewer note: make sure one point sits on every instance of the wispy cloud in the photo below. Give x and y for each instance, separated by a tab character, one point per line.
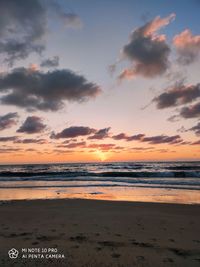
176	95
8	120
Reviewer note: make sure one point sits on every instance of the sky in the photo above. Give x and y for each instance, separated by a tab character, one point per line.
99	80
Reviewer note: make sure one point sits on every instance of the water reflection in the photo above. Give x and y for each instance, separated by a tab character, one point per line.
104	193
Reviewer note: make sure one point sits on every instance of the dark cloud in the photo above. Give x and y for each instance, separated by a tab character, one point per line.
32	125
50	62
73	131
135	137
44	90
100	134
8	120
22	27
162	139
192	111
147	50
158	139
188	47
30	141
177	95
196	129
121	136
8	139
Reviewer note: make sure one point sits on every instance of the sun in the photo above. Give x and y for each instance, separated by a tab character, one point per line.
101	155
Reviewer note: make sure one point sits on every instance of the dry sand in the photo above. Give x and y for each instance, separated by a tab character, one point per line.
101	233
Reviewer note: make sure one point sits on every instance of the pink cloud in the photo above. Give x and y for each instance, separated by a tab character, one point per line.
187	45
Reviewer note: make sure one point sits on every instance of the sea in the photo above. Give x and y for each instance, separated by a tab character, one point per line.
170	182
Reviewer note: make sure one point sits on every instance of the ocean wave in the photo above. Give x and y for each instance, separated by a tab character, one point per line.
66	174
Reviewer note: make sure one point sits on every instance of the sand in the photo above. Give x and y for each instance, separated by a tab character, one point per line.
100	233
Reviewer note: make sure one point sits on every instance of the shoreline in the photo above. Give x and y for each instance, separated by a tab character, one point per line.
100	233
97	200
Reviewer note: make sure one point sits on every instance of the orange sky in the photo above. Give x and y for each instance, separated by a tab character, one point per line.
73	93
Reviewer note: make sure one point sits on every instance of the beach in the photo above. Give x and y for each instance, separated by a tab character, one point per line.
80	232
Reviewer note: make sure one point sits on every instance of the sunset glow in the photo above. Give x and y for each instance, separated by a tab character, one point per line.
72	93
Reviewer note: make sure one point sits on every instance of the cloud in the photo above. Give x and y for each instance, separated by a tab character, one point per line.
9	150
62	151
30	141
162	139
71	20
74	145
192	111
68	19
196	129
8	120
50	62
158	139
44	90
121	136
176	95
188	46
73	131
32	125
104	147
140	149
196	142
100	134
173	118
135	137
147	51
8	139
24	26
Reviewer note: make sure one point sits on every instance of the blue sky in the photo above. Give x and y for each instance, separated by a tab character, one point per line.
89	50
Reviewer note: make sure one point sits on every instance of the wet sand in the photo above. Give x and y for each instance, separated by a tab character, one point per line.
100	233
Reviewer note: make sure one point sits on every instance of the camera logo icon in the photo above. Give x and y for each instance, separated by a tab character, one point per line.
13	253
